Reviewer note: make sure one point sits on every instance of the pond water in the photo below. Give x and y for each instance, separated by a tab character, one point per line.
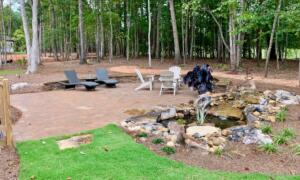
221	123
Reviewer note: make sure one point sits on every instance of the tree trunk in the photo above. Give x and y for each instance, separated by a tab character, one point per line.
26	32
35	55
232	39
157	50
128	14
101	31
97	32
175	33
111	36
272	37
149	34
82	55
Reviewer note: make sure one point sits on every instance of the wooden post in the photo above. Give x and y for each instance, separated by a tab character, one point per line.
5	115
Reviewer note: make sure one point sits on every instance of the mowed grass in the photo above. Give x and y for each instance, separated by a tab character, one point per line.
11	71
112	155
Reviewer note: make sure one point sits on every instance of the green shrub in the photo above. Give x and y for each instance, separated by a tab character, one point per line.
289	133
266	129
157	141
181	121
168	150
284	136
269	148
142	134
281	116
297	150
218	151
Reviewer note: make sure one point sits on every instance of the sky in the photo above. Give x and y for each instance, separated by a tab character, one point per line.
14	3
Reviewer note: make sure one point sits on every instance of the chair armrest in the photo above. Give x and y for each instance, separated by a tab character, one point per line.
150	77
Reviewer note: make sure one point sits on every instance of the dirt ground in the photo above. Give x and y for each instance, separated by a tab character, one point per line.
48	113
9	160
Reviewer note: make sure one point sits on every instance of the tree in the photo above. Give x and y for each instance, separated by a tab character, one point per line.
35	48
82	57
149	34
175	33
272	37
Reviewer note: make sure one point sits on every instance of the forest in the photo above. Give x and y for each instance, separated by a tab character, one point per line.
228	30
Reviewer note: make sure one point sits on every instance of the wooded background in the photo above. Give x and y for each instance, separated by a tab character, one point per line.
227	30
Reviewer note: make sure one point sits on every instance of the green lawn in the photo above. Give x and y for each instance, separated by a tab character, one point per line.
11	71
125	159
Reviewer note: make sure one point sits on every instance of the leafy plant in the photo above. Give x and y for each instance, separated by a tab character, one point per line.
168	150
269	148
142	134
285	135
157	141
181	121
289	133
218	151
281	116
266	129
201	115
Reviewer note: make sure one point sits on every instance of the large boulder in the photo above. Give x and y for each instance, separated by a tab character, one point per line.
201	131
286	97
177	131
226	111
249	135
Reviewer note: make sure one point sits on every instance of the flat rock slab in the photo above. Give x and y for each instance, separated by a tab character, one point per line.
75	141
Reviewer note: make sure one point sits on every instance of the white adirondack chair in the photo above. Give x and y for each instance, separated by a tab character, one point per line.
144	84
167	82
177	74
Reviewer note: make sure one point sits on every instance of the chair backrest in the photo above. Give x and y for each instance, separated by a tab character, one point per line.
167	78
72	76
101	74
139	74
176	70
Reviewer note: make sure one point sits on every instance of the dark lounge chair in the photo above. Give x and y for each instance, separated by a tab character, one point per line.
102	78
74	81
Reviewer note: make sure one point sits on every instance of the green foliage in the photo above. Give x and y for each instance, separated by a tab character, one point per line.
21	62
11	71
269	148
19	40
219	151
284	136
181	121
266	129
157	141
168	150
142	134
281	115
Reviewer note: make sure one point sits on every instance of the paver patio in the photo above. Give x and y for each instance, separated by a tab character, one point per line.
69	111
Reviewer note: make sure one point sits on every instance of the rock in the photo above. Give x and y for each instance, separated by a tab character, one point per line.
226	132
269	94
201	131
170	144
256	113
286	97
249	135
20	85
193	144
134	128
272	102
257	124
176	130
239	104
271	118
193	112
217	141
251	99
168	114
226	111
180	115
143	139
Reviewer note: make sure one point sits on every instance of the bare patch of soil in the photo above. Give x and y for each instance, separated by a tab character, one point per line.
16	114
75	141
9	164
135	112
238	157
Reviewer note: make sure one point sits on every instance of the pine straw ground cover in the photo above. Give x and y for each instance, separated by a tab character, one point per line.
111	155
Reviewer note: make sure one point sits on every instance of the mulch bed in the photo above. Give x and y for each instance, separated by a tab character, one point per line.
238	157
9	159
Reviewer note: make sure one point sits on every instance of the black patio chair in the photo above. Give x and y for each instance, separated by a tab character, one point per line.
102	78
73	81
